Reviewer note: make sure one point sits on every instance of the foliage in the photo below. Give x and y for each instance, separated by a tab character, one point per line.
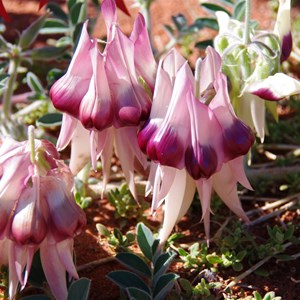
116	240
125	205
148	279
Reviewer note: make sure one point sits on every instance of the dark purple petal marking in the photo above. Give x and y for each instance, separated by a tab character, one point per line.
129	115
201	161
286	47
266	94
145	134
168	150
238	139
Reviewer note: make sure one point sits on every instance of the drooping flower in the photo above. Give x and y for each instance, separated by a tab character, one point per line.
252	68
282	28
113	103
193	141
38	212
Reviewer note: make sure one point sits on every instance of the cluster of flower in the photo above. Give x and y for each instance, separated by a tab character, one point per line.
103	92
189	131
38	212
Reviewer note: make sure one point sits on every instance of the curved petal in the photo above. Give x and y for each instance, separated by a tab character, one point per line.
80	148
163	181
67	93
66	132
204	187
65	253
237	167
274	87
177	202
127	150
225	185
167	145
131	102
96	109
205	154
238	137
54	270
143	56
283	28
211	66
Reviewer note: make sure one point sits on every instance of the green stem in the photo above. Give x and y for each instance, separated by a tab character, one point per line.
247	23
12	71
31	143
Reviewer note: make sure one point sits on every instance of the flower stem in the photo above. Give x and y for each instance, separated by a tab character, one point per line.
147	15
12	71
31	143
247	22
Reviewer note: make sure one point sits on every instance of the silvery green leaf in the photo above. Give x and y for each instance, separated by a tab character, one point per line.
134	263
29	35
54	26
34	83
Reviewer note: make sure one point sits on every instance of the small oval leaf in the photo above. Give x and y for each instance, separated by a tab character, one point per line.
134	263
79	289
126	279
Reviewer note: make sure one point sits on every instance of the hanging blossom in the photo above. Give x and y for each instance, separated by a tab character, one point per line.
103	97
37	213
194	139
253	68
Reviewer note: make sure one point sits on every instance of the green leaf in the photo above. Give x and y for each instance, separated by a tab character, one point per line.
57	11
169	29
214	259
257	296
284	257
118	234
182	252
241	255
77	13
209	23
145	240
162	263
180	22
54	26
53	75
204	44
102	230
71	3
4	45
237	266
51	120
138	294
34	83
64	41
29	35
126	279
239	10
134	263
48	53
79	289
214	7
186	285
164	285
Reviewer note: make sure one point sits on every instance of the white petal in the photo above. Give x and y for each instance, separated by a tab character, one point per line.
274	87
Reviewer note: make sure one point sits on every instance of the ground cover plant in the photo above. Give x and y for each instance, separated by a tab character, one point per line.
137	164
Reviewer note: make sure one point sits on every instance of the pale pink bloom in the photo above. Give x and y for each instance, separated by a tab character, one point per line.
40	213
193	143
